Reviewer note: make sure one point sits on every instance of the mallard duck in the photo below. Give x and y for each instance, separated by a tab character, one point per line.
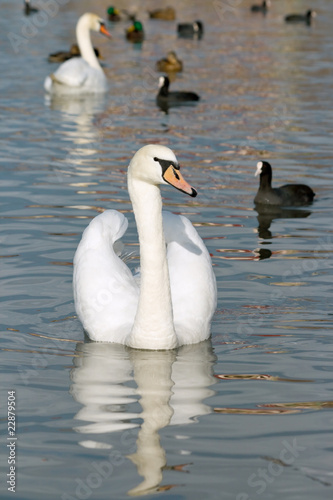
113	14
287	195
190	30
301	18
74	51
167	14
135	32
170	64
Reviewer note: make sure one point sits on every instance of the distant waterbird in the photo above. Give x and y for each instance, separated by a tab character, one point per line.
286	195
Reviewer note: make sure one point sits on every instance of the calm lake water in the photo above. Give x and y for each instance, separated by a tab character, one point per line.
247	414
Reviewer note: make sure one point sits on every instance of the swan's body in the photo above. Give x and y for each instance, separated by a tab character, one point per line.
176	298
81	74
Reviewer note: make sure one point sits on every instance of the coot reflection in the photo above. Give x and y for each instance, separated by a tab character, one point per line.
267	214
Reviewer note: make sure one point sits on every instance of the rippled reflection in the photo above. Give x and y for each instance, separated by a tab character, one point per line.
267	214
76	120
171	387
76	105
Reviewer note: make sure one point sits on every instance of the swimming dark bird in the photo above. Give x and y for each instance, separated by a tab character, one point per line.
301	18
113	14
74	51
263	7
287	195
167	14
170	64
166	99
28	9
135	33
190	30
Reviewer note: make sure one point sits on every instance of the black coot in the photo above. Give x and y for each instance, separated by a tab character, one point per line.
301	18
29	9
166	99
287	195
190	30
263	7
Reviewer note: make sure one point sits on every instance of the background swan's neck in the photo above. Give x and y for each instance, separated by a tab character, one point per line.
153	325
84	43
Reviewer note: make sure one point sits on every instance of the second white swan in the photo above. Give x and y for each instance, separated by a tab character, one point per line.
173	300
81	74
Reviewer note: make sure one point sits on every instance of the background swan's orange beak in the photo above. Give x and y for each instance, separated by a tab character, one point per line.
104	31
174	177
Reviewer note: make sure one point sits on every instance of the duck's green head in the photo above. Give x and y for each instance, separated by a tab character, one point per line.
112	11
137	26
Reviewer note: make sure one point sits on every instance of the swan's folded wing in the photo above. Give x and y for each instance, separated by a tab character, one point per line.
72	73
105	292
192	280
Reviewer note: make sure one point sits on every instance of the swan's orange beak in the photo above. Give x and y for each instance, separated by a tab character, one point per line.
173	176
104	31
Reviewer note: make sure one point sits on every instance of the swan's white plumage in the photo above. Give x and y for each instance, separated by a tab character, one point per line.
192	280
109	302
74	72
80	74
105	291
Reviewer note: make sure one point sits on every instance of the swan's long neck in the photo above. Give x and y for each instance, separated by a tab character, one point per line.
153	325
84	43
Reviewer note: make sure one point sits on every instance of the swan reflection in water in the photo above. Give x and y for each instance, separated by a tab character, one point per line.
76	105
77	126
78	115
171	387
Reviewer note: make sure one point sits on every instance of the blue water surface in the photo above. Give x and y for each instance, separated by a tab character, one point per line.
248	413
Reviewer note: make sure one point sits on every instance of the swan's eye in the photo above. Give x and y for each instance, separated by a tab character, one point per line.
155	159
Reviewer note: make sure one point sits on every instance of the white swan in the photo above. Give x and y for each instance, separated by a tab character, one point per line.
81	74
176	298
